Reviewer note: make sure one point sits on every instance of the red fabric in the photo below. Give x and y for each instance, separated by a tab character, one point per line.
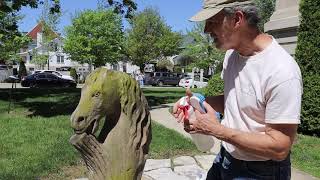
185	111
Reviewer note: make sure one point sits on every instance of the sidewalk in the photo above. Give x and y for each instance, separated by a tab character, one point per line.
187	168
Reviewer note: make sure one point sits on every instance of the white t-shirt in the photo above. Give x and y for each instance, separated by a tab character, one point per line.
262	89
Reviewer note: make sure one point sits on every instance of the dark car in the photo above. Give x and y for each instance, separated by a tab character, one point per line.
164	78
46	80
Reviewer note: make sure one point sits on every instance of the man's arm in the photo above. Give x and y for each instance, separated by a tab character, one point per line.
275	143
216	102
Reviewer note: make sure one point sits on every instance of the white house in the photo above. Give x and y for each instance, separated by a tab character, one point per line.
58	60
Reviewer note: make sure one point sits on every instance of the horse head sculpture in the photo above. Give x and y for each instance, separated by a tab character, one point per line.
112	126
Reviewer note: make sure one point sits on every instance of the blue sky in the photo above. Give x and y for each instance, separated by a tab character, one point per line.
175	12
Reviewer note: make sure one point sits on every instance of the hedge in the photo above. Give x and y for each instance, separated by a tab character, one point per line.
215	86
308	57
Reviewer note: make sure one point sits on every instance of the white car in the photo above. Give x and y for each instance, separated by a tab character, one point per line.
55	73
189	82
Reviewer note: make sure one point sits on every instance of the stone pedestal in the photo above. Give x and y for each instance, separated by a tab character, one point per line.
283	24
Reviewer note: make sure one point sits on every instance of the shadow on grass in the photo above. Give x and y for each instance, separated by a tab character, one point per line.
48	102
49	109
43	102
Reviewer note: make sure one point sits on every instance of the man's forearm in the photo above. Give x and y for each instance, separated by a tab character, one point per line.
273	144
216	102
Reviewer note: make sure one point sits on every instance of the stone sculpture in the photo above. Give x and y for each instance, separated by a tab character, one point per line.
118	151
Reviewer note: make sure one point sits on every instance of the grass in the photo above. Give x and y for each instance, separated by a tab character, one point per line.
305	155
158	96
35	135
167	143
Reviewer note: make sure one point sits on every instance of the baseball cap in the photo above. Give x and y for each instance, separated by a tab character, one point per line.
212	7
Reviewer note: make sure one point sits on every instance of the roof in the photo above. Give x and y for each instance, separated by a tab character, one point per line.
36	29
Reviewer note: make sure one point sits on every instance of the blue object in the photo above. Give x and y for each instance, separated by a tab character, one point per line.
202	98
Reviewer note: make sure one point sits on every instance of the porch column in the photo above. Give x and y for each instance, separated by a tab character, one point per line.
283	24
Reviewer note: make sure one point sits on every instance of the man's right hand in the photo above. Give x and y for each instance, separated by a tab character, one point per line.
177	112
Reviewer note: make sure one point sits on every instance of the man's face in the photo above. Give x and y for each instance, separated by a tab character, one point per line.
221	30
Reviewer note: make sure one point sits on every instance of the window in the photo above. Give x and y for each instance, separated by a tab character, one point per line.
60	59
30	58
157	74
165	74
115	67
41	76
51	76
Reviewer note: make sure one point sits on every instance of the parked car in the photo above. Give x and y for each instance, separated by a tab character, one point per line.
163	78
55	73
188	82
46	80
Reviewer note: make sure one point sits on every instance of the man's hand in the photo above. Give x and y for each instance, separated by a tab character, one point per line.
206	123
177	112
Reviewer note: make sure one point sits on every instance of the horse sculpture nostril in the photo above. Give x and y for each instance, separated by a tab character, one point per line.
80	119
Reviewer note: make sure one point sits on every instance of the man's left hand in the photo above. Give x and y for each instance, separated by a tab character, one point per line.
206	123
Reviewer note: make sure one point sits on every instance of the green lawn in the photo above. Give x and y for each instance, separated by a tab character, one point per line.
306	155
34	135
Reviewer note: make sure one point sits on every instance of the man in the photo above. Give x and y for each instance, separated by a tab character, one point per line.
261	101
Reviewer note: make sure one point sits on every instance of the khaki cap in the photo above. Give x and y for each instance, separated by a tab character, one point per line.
212	7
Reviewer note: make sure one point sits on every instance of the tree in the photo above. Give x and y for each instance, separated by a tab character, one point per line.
124	7
48	22
202	50
95	37
22	69
165	64
12	7
266	8
308	57
39	59
149	38
10	39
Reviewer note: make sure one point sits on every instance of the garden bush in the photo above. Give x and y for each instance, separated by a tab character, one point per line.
215	86
73	73
308	57
22	69
310	115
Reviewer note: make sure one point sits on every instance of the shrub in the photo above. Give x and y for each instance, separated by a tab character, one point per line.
22	69
73	73
308	52
215	86
308	56
310	115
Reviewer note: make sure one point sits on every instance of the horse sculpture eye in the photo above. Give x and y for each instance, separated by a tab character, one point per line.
97	94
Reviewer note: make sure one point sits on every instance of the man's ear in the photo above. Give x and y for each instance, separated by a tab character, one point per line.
239	19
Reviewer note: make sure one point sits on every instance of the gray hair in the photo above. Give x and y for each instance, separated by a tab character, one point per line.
251	13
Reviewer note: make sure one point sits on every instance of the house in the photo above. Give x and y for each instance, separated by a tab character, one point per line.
59	60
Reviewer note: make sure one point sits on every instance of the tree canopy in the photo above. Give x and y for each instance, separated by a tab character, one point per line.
201	50
95	37
10	39
149	38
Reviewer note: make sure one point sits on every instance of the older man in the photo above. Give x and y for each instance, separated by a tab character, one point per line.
261	101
